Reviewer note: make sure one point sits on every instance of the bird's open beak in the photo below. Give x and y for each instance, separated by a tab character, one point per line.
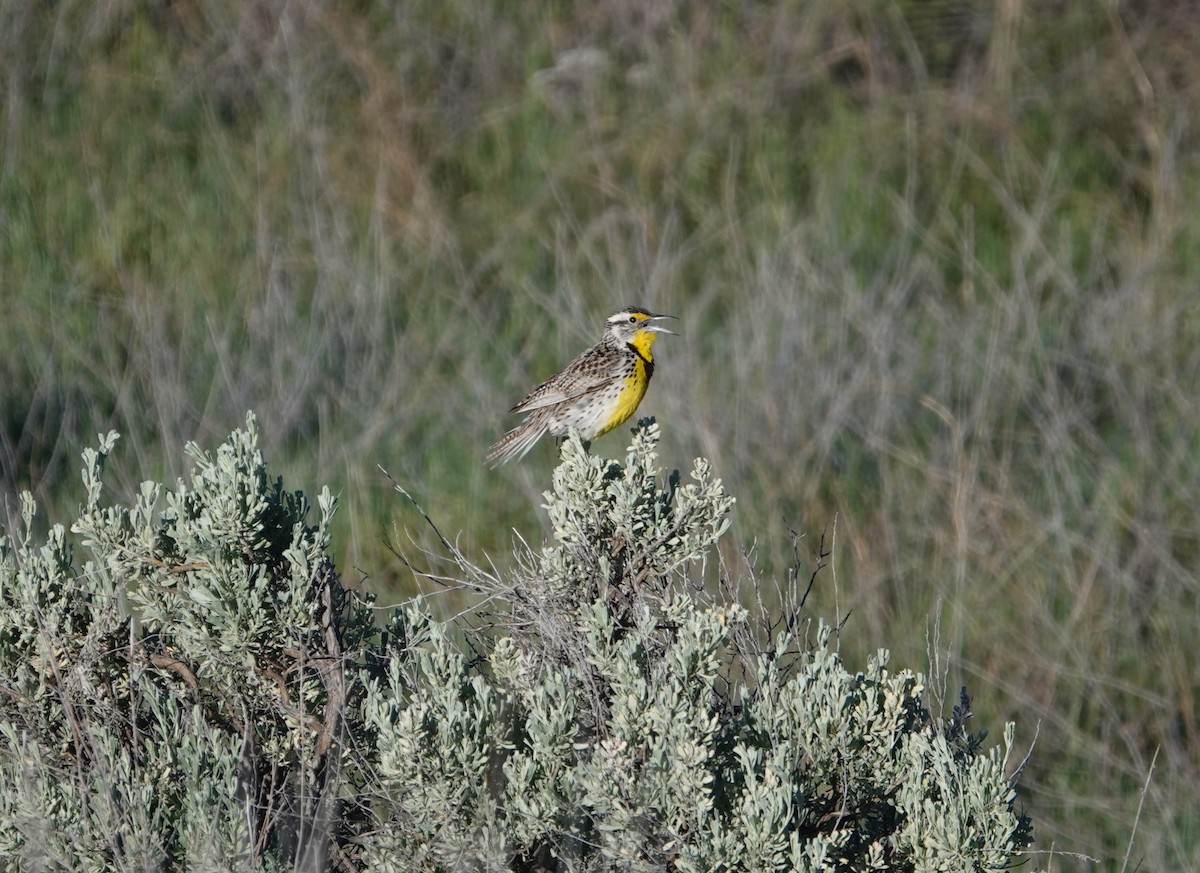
658	328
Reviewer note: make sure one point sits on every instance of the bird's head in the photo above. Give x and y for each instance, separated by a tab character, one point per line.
637	327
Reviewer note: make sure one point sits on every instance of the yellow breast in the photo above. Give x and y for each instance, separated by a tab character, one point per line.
631	394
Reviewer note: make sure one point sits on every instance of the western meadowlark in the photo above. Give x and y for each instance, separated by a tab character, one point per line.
594	393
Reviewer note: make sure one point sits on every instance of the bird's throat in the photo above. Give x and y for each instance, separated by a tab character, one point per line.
641	343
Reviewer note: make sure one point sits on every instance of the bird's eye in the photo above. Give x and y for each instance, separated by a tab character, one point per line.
633	319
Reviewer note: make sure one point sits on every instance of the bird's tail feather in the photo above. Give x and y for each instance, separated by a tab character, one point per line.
514	444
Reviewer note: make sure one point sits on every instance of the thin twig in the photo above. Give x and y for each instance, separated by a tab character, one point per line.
1138	816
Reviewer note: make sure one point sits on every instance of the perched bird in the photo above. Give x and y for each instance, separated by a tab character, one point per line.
594	393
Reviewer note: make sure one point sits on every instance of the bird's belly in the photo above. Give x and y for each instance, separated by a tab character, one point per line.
609	407
632	390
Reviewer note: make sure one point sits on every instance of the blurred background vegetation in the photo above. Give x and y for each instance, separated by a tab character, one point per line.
936	266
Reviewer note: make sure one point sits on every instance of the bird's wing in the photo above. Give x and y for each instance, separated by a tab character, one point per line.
540	398
578	378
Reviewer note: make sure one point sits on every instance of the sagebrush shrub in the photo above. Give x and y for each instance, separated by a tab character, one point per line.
619	723
202	693
187	695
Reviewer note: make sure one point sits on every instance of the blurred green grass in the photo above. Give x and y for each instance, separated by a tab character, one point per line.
935	263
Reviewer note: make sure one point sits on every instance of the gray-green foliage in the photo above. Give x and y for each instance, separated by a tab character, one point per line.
209	731
202	694
642	733
612	521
